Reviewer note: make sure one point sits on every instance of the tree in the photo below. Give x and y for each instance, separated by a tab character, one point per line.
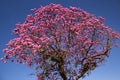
63	43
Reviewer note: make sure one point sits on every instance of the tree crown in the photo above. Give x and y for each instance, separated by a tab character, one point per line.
64	43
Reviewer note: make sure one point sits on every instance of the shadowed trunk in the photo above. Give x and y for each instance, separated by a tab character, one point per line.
61	69
62	72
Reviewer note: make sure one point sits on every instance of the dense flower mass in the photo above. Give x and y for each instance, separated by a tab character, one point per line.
64	43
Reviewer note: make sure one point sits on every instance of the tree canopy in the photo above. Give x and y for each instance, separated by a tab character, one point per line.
63	43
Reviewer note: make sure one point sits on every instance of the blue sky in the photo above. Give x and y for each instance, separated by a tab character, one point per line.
14	11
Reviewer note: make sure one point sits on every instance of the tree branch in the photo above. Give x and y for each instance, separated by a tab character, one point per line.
61	69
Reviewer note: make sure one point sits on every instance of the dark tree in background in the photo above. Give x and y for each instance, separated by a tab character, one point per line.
63	43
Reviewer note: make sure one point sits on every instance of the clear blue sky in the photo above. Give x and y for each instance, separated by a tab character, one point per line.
14	11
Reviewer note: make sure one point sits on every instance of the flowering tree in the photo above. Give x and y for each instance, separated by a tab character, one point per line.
63	43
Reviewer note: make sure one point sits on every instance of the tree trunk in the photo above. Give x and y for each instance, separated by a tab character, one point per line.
61	69
62	72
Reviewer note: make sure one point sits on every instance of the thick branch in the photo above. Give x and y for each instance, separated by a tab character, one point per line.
61	69
62	72
60	63
83	71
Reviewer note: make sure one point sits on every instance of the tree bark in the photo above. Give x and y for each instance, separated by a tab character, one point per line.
62	72
61	69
